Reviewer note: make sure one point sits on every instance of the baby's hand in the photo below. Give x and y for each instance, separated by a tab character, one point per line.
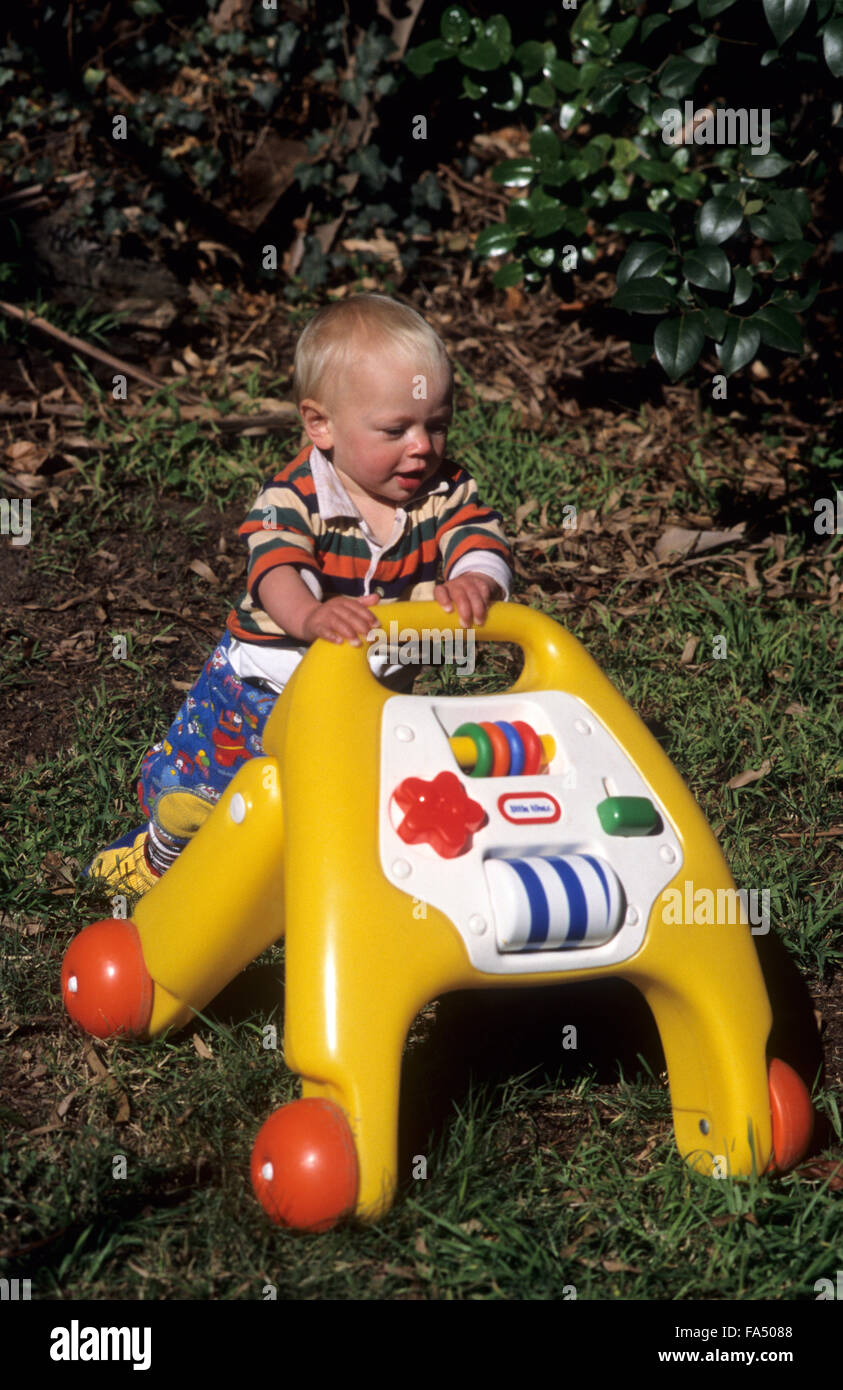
470	594
340	619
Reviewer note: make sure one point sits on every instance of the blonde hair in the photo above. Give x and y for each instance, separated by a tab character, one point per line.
340	334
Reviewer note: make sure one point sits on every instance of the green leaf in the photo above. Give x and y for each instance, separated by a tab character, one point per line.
790	257
643	259
542	256
548	221
596	43
564	76
455	25
678	344
776	224
519	215
576	222
508	275
766	166
483	55
516	96
797	302
498	30
785	16
542	94
833	46
530	57
709	8
705	53
709	268
539	200
654	222
514	173
620	34
144	9
641	353
679	77
744	285
555	175
651	24
689	186
594	154
472	89
649	296
423	60
714	322
569	114
739	346
495	241
779	328
545	144
625	154
719	218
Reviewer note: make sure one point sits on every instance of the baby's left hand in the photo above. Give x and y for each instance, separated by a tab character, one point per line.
470	594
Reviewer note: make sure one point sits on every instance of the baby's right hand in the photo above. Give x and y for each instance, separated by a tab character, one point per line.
340	619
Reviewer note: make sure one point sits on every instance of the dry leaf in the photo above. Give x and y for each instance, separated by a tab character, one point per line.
743	779
688	651
202	1047
677	540
95	1063
523	510
25	457
825	1170
204	571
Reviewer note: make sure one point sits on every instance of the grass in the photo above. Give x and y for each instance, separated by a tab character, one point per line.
556	1174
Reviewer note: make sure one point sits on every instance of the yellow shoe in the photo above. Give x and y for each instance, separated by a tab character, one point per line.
123	867
181	813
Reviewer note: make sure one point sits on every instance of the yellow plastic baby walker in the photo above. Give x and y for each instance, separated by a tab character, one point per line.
548	837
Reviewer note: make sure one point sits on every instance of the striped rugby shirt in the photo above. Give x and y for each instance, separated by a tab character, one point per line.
305	517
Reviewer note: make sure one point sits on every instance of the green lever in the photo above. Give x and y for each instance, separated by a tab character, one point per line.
628	815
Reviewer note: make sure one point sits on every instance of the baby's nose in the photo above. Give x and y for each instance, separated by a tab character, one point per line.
419	441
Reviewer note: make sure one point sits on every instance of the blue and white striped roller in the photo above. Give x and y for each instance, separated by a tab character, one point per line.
561	900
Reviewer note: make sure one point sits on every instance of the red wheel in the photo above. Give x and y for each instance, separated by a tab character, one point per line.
105	984
533	751
304	1165
792	1115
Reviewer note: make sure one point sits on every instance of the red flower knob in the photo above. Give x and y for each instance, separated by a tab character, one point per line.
438	813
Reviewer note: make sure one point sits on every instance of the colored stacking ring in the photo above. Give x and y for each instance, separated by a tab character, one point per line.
516	747
533	751
483	747
500	749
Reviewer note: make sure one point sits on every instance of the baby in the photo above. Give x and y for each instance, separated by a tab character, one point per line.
370	511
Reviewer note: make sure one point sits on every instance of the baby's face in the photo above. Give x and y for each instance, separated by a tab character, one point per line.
385	442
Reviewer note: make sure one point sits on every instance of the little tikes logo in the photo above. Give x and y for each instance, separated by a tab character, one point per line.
77	1343
529	808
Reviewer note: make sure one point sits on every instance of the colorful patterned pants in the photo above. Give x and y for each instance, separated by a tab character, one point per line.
218	728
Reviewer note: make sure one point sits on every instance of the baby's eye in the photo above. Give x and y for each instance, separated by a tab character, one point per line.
395	434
